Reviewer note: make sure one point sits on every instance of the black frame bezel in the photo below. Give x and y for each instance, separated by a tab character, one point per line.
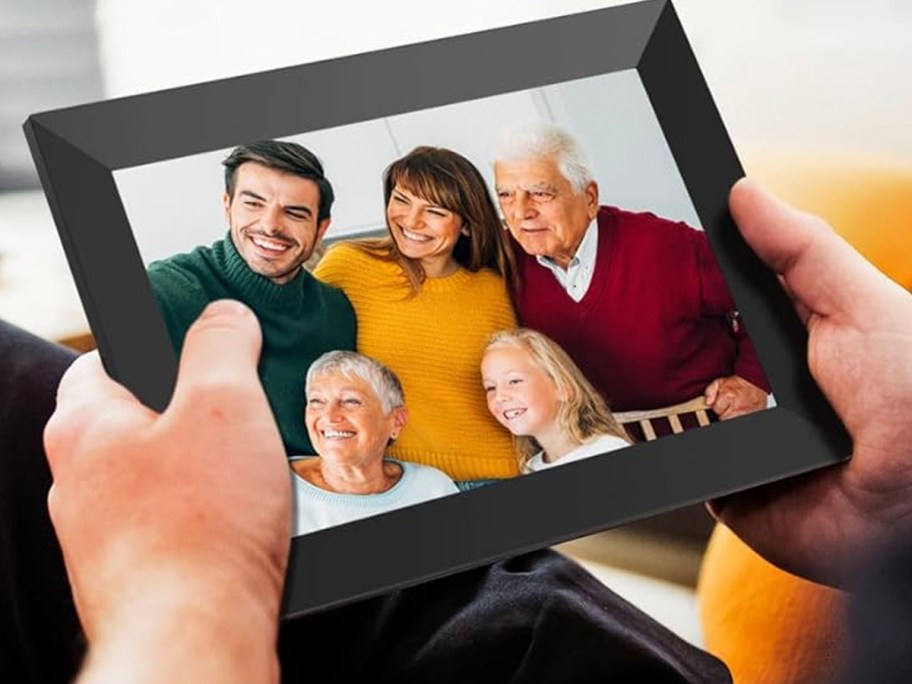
77	150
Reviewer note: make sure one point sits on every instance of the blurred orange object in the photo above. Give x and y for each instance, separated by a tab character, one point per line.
768	626
867	200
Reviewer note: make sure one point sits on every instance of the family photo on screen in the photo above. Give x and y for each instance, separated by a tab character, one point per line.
486	333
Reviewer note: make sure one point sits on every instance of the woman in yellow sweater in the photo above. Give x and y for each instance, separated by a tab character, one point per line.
426	299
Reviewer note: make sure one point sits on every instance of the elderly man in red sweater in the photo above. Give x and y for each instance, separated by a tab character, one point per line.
637	301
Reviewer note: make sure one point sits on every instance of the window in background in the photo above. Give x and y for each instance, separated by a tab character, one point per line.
48	59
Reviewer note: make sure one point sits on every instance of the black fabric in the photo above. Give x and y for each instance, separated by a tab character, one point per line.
39	630
880	617
536	618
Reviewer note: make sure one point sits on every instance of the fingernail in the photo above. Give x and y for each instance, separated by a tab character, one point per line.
225	307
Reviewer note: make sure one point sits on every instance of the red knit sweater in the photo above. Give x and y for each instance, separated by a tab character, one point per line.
654	328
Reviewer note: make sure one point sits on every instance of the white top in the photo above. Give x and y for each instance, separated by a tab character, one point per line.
594	447
314	508
578	275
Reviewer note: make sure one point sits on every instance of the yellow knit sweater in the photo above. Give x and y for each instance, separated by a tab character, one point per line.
434	342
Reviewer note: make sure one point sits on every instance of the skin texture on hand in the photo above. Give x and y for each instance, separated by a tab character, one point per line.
734	396
175	527
860	353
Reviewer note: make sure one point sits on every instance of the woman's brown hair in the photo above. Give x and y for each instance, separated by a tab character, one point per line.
450	181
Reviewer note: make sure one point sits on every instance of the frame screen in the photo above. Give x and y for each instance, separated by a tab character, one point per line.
623	79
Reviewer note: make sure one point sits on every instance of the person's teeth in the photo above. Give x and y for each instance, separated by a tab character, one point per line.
266	243
513	413
418	237
337	434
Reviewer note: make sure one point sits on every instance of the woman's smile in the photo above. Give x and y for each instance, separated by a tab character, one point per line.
424	231
337	434
413	236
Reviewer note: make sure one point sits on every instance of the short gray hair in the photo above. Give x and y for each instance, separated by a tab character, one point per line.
382	380
544	139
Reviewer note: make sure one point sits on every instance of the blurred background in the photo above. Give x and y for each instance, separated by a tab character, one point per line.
816	96
791	79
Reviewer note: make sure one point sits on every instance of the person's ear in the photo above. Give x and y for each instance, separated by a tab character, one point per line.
226	203
592	199
322	227
563	392
400	418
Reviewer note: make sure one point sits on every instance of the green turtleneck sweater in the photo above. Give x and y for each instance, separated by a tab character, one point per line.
301	320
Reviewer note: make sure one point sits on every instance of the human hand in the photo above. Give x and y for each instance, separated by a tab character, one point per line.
733	396
175	527
860	353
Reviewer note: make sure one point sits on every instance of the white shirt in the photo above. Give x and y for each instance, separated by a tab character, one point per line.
314	508
594	447
577	277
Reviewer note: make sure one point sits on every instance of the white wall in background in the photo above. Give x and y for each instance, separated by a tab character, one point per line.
783	72
175	205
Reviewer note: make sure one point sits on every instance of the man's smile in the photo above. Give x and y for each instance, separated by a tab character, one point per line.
268	244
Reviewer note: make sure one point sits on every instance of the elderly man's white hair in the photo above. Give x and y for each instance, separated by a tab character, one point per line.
544	139
352	364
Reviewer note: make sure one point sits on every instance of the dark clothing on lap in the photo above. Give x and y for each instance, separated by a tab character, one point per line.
535	618
39	630
880	618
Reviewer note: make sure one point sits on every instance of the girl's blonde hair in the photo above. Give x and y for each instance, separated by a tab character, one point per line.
583	414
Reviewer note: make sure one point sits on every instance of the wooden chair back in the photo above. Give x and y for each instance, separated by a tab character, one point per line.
81	343
644	419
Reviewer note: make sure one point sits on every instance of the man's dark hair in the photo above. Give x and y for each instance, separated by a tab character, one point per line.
282	156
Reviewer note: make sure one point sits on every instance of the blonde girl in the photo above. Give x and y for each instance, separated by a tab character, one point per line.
535	390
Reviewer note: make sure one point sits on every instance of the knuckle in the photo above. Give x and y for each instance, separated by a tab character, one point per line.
54	505
61	432
819	223
52	499
217	395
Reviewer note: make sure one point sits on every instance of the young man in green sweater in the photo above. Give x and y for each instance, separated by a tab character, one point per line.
277	205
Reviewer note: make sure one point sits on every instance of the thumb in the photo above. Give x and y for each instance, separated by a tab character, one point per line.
823	273
711	393
220	352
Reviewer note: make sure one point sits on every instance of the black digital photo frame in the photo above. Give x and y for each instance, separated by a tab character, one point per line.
78	150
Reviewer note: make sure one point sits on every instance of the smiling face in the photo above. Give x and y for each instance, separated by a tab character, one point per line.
346	420
520	395
424	231
272	217
544	212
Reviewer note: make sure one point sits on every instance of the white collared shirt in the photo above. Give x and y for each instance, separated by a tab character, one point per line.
577	277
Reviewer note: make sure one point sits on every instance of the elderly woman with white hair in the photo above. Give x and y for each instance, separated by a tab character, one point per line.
355	409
